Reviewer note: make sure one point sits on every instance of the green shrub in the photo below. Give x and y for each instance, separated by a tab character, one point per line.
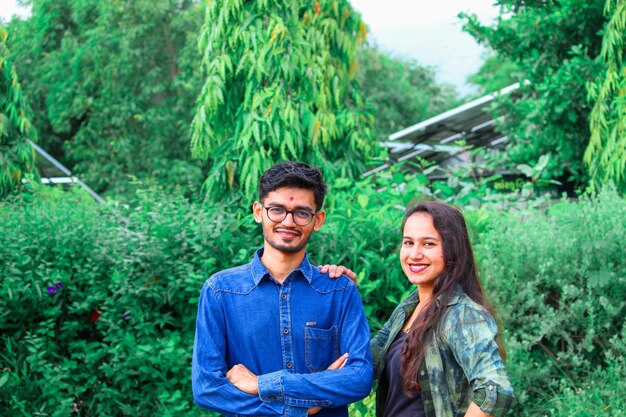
558	280
98	304
601	393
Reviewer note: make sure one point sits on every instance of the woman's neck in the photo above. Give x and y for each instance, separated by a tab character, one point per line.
425	293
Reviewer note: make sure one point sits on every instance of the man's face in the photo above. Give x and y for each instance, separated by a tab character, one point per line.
287	236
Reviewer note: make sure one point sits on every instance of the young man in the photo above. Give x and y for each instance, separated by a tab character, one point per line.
275	336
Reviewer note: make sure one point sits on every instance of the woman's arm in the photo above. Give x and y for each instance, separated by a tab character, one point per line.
471	333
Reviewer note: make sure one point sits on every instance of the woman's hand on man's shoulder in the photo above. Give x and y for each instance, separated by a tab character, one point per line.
335	271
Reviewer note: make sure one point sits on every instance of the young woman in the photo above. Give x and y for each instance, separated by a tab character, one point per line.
438	355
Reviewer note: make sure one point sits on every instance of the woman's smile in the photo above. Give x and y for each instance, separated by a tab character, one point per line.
421	254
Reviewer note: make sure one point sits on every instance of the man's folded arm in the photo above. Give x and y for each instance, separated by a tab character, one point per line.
330	388
210	387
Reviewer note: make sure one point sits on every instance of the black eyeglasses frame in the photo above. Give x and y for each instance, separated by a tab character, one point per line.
287	212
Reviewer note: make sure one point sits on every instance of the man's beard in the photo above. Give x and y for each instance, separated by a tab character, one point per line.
277	243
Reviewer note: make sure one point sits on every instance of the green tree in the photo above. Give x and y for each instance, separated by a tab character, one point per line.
495	73
279	85
400	91
112	85
554	46
606	153
16	155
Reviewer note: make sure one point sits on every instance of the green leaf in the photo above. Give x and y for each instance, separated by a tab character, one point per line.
363	200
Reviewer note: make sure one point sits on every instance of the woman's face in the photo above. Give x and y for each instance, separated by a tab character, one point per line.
421	254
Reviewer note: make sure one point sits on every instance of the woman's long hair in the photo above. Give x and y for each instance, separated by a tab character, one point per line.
460	268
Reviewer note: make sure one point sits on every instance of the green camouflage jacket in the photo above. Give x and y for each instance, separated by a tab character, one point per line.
462	364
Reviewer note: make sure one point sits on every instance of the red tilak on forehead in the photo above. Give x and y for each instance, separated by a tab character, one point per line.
290	198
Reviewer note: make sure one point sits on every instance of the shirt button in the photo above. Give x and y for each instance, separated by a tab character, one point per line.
286	331
490	387
284	296
422	373
289	365
272	398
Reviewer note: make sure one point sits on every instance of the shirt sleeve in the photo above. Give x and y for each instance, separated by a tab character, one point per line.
330	388
471	335
210	387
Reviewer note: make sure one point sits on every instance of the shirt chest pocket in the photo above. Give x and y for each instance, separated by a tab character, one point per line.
321	347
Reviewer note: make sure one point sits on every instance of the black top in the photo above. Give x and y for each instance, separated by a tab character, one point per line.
398	404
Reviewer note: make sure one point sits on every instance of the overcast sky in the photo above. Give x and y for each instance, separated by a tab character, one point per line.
8	8
426	31
429	32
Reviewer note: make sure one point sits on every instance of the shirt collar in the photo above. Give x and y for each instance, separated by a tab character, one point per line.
259	271
457	291
412	300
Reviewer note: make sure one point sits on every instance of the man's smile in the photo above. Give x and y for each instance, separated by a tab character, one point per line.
286	233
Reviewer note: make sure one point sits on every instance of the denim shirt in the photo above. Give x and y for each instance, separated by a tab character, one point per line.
287	334
462	363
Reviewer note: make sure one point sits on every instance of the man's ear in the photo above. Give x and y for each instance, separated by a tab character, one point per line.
319	220
257	212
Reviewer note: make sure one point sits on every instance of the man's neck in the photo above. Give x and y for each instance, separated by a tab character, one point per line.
281	264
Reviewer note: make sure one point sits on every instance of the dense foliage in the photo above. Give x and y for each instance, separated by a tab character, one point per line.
400	92
495	73
280	85
606	153
553	45
113	85
102	303
559	282
16	155
102	299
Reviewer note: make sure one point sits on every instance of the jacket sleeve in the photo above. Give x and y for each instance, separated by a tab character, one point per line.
392	326
210	387
378	342
331	388
471	334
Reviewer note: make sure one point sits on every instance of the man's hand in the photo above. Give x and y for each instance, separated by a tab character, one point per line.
246	381
242	378
338	364
335	271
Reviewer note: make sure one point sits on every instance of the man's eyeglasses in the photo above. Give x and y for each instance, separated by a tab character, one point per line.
300	217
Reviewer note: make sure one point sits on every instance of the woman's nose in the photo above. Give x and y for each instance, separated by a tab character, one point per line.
416	252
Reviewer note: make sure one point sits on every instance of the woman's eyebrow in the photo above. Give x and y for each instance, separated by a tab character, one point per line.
420	238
